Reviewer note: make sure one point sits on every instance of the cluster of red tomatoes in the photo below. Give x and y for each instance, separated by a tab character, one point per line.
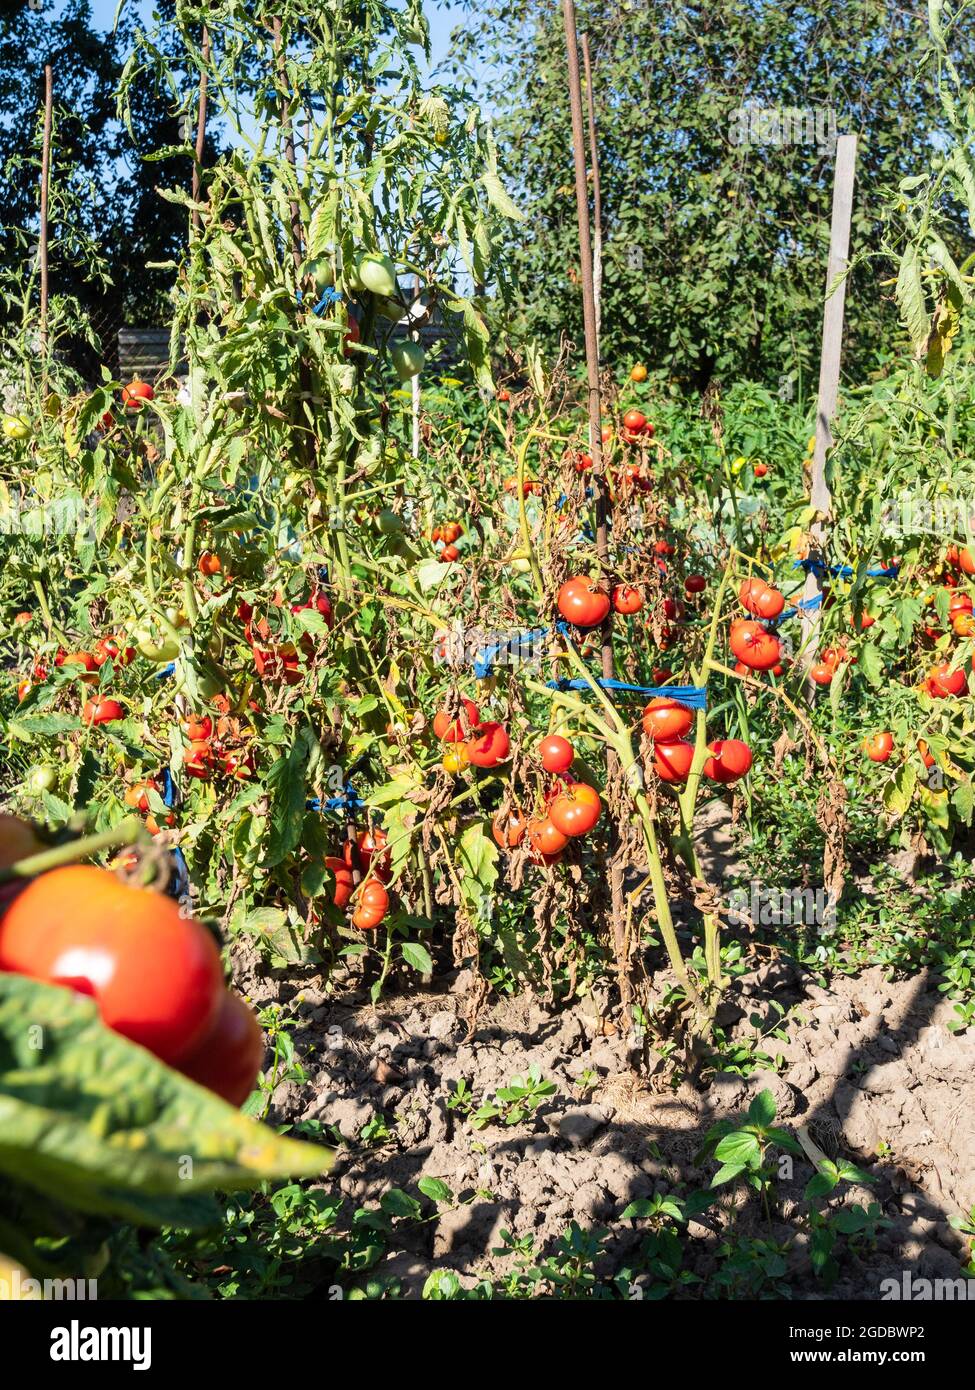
571	808
216	747
445	537
281	661
665	722
366	853
98	710
471	742
754	647
154	973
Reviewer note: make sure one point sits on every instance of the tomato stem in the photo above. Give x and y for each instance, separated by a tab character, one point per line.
126	833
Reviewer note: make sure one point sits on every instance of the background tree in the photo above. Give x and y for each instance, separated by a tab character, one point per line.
714	246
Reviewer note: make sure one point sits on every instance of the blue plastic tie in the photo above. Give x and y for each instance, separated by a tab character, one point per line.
169	788
166	671
348	801
693	696
179	884
329	297
516	644
845	571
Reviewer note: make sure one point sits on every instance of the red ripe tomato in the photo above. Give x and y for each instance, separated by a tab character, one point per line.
455	731
239	766
504	394
674	609
581	603
665	720
942	681
749	593
966	561
154	974
866	620
576	810
663	548
372	905
635	421
342	874
755	647
959	603
24	688
101	712
509	831
374	854
583	463
545	837
770	603
606	434
135	393
452	532
209	563
822	673
85	660
137	796
489	746
672	761
198	759
449	554
108	649
229	1059
926	757
730	760
197	727
627	599
695	583
878	747
556	753
760	470
352	336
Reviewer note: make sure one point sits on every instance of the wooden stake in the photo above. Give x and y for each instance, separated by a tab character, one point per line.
829	379
589	318
289	139
201	129
597	202
618	920
45	198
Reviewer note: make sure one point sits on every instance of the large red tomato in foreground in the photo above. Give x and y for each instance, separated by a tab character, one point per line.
489	745
154	974
581	603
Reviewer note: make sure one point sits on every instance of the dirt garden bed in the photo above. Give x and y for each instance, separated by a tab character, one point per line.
868	1070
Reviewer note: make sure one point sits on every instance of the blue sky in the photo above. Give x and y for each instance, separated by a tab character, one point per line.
442	19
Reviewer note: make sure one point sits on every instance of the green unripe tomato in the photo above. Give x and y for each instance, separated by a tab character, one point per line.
16	427
323	272
389	523
408	359
155	646
41	778
377	274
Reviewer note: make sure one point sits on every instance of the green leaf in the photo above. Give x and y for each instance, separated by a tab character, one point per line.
498	197
436	1189
418	956
740	1147
872	665
100	1124
762	1109
396	1202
